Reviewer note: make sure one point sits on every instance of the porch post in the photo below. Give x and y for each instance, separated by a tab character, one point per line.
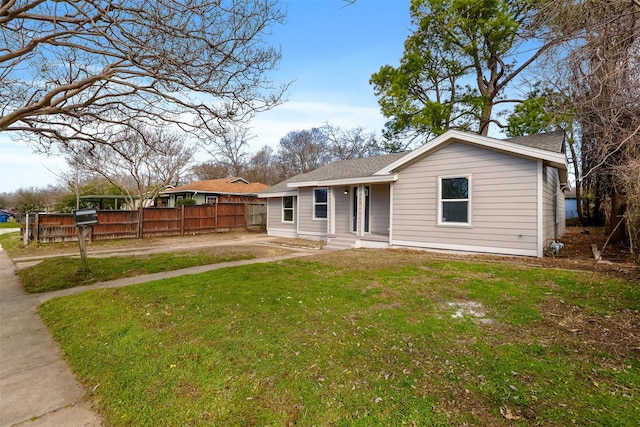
361	208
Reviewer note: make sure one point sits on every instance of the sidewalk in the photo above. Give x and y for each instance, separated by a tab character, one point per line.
37	388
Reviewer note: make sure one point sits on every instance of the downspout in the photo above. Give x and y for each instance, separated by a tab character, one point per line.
391	214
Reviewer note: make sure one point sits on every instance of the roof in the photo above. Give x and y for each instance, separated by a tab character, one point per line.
548	147
344	169
233	185
550	141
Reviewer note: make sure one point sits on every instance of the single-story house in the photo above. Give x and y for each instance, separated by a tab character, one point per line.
459	191
223	190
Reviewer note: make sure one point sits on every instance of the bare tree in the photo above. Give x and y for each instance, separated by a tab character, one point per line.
604	92
71	69
229	148
210	170
303	151
140	164
351	143
264	167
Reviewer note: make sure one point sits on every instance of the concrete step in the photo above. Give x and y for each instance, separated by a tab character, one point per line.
339	244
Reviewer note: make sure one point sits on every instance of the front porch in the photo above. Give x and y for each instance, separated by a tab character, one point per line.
360	213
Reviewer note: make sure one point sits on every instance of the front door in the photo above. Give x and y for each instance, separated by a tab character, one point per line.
354	219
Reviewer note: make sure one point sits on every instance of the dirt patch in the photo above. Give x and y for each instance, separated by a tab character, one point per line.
153	244
617	334
576	255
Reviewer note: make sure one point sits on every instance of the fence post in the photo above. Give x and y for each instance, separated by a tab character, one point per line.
182	220
216	217
36	229
140	221
246	217
25	236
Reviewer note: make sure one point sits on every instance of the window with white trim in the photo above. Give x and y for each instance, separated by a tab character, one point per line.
320	203
211	200
454	205
287	209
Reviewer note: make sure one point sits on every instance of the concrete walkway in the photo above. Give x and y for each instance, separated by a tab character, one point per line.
37	388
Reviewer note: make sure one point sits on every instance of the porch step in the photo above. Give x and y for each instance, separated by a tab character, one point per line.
339	244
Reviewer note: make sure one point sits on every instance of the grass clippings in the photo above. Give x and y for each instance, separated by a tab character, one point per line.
359	338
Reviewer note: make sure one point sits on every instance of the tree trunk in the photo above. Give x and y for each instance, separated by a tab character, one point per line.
618	206
485	120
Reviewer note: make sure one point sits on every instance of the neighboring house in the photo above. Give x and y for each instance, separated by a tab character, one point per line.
212	191
570	204
460	192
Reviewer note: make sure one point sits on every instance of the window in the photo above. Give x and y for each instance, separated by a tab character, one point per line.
454	200
287	209
210	200
320	203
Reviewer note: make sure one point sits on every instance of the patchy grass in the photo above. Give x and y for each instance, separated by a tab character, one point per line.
10	241
64	272
359	338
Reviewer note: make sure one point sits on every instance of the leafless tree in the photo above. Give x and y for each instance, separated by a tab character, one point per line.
603	89
140	164
209	170
351	143
71	69
230	148
303	151
264	167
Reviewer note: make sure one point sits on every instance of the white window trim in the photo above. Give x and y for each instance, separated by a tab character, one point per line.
468	200
315	204
292	209
207	202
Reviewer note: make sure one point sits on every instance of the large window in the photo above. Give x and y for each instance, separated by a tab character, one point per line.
320	203
287	209
454	202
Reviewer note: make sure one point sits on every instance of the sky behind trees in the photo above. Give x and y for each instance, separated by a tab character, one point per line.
329	51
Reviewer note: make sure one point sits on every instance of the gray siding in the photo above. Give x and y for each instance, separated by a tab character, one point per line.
379	216
342	205
274	216
553	218
503	200
308	225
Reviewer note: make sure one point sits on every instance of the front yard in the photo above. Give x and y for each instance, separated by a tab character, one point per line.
360	338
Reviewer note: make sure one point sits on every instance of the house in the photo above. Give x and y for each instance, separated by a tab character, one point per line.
571	204
212	191
460	191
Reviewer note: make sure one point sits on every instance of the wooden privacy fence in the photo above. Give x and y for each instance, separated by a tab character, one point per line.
154	222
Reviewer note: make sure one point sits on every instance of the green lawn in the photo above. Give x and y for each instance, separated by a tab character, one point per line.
359	338
65	272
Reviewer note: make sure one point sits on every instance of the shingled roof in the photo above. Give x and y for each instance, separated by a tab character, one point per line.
233	185
344	169
550	141
368	166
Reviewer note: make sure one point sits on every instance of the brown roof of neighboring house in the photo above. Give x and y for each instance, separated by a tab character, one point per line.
233	185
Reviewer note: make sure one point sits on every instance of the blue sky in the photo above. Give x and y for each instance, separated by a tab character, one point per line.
329	51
